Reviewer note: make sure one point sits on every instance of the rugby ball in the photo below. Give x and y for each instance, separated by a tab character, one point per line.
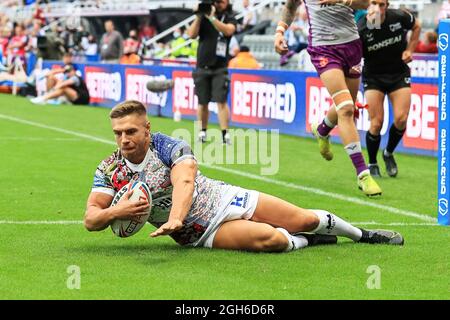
127	228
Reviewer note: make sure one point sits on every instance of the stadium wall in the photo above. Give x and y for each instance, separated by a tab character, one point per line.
265	99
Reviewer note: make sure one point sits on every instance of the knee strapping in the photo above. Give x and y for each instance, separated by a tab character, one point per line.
342	98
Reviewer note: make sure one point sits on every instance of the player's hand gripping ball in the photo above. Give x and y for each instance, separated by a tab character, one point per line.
126	228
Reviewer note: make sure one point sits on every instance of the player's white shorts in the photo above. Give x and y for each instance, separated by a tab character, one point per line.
237	203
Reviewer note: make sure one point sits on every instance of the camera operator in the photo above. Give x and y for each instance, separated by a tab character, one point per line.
215	25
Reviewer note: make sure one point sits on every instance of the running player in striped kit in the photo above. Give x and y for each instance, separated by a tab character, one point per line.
336	52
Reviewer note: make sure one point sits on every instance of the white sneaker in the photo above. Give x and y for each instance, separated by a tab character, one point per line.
227	139
54	101
202	136
37	100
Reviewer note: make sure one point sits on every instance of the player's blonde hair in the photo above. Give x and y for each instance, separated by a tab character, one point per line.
126	108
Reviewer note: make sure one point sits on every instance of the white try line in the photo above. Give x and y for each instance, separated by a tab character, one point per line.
38	139
321	192
399	224
43	126
44	222
393	210
76	222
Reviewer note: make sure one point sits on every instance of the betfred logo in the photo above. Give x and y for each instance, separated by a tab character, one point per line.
256	100
318	102
103	85
422	127
184	98
135	87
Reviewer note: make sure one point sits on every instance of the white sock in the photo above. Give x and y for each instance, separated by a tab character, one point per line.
333	225
352	148
328	122
295	242
363	173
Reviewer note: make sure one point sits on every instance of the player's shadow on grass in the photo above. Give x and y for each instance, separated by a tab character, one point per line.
167	253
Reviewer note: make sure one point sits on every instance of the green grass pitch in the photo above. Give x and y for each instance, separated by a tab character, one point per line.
49	155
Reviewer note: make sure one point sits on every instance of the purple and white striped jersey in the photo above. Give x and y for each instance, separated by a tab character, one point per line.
330	24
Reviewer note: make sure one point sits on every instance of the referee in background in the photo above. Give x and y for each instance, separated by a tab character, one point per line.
215	27
387	51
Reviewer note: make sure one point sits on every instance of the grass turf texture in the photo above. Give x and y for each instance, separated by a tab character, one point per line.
46	176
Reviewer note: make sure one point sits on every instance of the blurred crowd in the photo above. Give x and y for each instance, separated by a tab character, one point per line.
42	37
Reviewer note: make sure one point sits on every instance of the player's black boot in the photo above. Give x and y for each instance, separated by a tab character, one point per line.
391	165
317	239
381	237
374	170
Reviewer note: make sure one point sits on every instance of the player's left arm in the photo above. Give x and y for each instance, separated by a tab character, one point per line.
182	176
413	41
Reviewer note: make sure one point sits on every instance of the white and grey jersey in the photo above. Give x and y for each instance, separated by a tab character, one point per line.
155	170
330	24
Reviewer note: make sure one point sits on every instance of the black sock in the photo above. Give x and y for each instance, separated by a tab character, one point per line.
365	236
224	132
204	130
395	135
373	144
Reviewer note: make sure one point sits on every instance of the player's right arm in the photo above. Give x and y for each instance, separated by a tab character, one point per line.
99	213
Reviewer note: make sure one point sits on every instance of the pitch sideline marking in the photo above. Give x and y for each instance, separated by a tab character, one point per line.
393	210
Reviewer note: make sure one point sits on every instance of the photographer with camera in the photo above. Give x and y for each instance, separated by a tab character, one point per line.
214	25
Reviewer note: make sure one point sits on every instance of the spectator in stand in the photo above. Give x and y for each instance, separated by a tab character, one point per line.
296	35
146	51
33	32
147	32
179	39
132	42
250	19
244	60
83	38
160	50
51	45
234	47
111	44
429	45
17	44
4	41
39	14
444	13
194	48
130	49
70	39
91	48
